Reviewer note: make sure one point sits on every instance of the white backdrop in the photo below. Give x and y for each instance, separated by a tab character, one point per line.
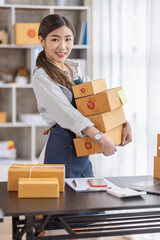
126	51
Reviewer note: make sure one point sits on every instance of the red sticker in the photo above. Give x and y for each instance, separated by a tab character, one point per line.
83	90
88	145
91	105
31	33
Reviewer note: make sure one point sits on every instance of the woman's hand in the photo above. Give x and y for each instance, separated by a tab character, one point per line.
126	133
108	146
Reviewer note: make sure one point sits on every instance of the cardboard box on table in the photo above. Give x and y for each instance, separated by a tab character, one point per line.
87	146
156	166
89	88
99	103
158	145
26	33
38	188
17	171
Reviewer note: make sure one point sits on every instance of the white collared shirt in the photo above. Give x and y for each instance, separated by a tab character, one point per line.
54	101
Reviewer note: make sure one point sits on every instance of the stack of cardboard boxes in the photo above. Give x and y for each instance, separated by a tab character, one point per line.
157	159
104	108
36	180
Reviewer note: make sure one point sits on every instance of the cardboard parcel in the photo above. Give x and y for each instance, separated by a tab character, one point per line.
17	171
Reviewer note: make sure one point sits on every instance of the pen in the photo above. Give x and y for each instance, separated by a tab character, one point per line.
74	183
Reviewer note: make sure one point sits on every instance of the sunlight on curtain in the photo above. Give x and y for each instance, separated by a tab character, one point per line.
119	41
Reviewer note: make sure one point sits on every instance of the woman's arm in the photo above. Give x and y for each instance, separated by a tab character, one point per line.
108	146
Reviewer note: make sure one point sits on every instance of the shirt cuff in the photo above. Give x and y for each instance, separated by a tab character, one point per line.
80	125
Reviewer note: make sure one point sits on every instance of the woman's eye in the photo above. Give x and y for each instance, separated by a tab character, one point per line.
55	40
68	39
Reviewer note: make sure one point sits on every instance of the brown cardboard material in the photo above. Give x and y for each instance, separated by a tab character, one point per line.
89	88
158	145
108	120
86	146
38	188
2	117
156	166
26	33
17	171
99	103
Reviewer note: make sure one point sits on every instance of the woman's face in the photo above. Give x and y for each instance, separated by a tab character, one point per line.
58	45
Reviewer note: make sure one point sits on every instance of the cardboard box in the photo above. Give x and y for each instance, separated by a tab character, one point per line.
38	188
26	33
158	145
89	88
87	146
3	117
17	171
108	120
99	103
156	166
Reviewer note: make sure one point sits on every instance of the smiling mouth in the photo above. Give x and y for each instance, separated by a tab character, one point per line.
61	54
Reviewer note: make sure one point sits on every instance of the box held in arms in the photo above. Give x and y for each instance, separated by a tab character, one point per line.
99	103
86	146
38	188
108	120
17	171
89	88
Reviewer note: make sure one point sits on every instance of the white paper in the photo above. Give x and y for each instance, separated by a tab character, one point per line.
83	185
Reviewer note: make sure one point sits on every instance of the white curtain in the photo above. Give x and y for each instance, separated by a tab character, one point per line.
126	51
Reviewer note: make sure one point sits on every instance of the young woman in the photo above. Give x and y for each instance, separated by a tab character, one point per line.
53	80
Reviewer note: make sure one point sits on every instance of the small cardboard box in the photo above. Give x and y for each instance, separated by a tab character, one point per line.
86	146
156	167
17	171
158	145
26	33
38	188
108	120
89	88
99	103
2	117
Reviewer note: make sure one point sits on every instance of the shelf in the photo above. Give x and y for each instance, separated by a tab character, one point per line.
14	85
76	46
21	124
16	99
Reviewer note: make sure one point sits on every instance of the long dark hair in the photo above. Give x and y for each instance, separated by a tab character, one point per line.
47	25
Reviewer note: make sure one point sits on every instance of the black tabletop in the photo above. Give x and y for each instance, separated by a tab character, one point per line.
71	202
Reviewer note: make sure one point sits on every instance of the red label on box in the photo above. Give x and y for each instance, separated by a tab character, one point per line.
88	145
31	33
83	90
91	105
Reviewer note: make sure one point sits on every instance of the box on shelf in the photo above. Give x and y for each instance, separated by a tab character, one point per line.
87	146
108	120
99	103
26	33
89	88
156	166
17	171
38	188
158	145
3	117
